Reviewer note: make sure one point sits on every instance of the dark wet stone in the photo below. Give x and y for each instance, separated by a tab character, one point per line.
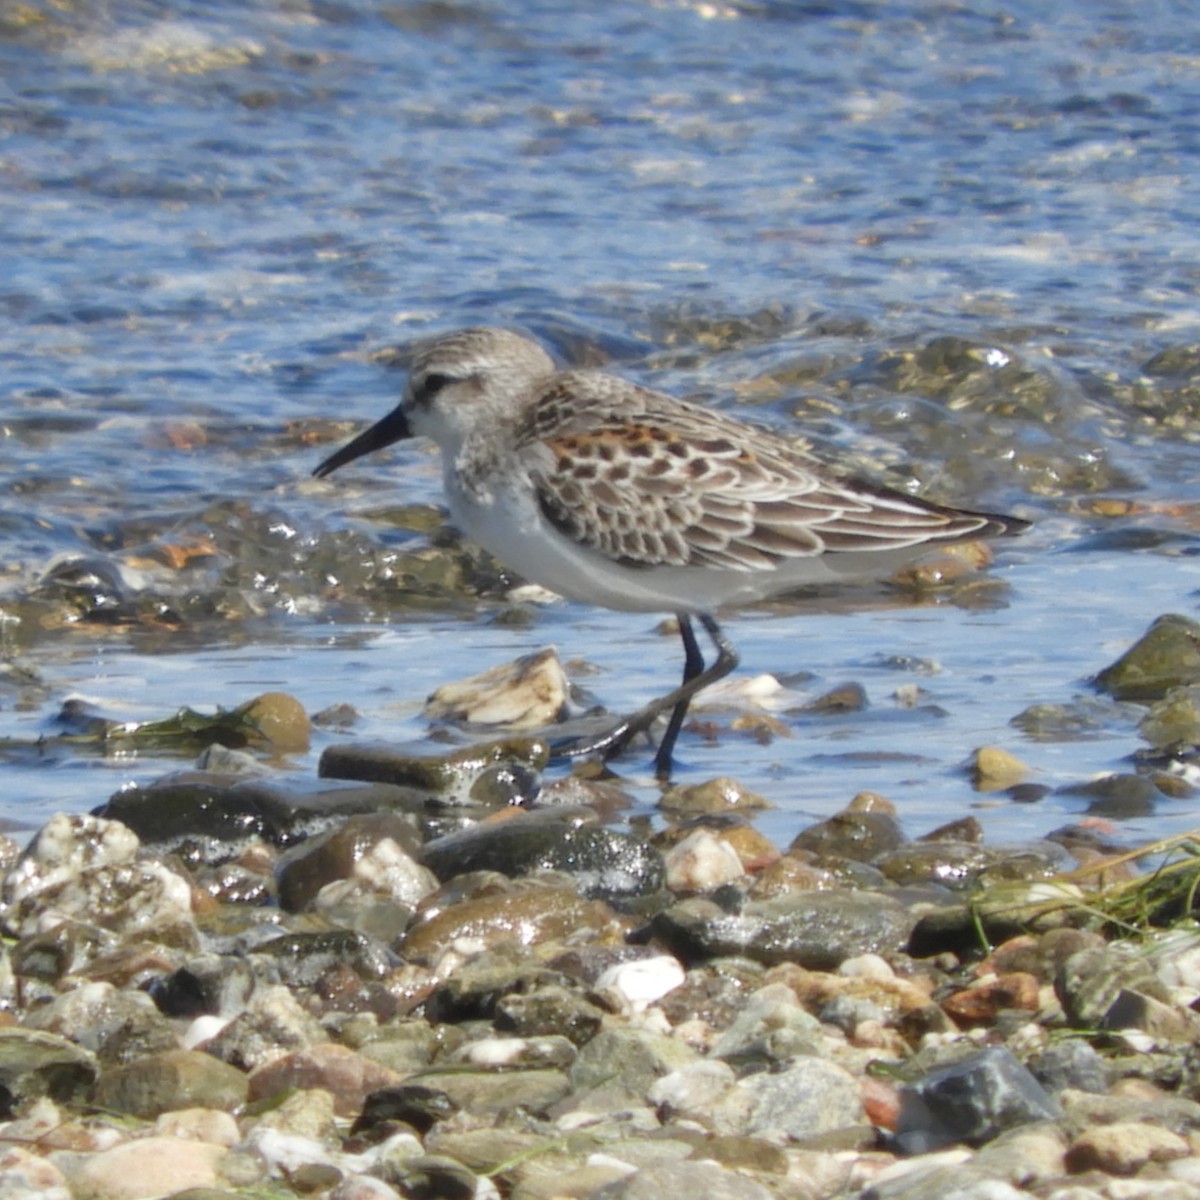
34	1063
491	774
414	1104
1183	360
951	864
1118	797
207	983
972	1100
605	862
521	917
473	991
212	818
327	857
1173	723
818	930
280	719
549	1009
966	830
301	959
171	1080
432	1177
857	835
1167	655
845	698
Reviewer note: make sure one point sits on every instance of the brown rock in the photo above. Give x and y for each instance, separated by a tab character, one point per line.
348	1076
1124	1148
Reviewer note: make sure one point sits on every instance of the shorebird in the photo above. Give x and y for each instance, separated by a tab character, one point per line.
613	494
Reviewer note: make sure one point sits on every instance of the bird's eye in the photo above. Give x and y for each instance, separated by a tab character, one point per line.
430	385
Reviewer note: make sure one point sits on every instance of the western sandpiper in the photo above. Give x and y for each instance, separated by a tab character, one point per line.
616	495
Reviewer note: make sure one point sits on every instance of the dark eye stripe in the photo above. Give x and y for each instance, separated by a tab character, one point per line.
430	386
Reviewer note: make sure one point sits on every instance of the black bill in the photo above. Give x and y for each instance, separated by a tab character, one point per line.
393	428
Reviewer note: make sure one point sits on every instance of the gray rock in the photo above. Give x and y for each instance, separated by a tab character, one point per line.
817	930
810	1098
174	1079
603	861
1070	1064
971	1100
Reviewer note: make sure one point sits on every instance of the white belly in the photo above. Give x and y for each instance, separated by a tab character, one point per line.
509	525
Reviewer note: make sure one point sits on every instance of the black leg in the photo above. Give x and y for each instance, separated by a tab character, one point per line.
693	665
695	677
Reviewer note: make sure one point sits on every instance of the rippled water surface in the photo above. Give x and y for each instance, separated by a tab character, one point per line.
954	243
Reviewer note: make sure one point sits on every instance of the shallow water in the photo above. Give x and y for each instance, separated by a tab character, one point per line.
955	244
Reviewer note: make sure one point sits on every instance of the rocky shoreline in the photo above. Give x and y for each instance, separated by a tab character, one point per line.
422	989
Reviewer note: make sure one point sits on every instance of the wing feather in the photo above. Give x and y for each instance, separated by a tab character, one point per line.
648	480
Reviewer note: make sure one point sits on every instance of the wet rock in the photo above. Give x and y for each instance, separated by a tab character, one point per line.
994	770
971	1100
550	1009
213	818
523	916
377	851
490	774
817	930
715	796
33	1063
1173	723
171	1079
1166	656
950	864
861	835
115	1025
302	959
1117	797
603	861
84	869
529	693
281	720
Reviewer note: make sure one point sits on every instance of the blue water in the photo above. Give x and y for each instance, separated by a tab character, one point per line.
214	214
